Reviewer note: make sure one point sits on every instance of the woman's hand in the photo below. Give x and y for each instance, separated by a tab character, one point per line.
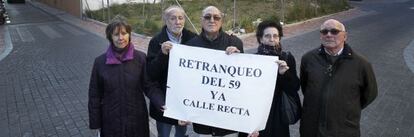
183	123
283	67
163	108
254	134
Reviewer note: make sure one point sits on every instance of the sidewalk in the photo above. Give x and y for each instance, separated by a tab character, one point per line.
294	29
98	28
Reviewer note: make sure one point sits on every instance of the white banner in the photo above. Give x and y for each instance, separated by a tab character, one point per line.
208	87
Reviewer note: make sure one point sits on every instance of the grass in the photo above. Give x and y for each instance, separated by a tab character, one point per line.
146	18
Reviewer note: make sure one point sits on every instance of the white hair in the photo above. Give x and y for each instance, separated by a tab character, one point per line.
167	11
210	7
336	22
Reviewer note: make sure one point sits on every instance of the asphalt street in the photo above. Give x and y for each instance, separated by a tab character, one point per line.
44	79
382	36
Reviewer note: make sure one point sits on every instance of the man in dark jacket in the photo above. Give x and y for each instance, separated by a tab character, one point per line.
337	84
213	37
174	32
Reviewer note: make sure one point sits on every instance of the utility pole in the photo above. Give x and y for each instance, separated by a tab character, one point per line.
143	9
234	14
109	16
103	10
283	11
162	6
89	9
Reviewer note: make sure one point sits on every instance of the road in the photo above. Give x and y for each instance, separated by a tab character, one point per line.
383	36
44	79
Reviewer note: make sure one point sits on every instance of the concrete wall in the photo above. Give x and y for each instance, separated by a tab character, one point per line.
71	6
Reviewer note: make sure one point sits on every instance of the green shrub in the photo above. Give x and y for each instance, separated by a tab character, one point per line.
146	18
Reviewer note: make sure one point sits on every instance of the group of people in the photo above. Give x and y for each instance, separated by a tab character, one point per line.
337	83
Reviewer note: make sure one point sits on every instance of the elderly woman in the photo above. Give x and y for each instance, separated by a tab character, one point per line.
117	106
268	35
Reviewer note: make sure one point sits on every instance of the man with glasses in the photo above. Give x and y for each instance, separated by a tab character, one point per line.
213	37
157	59
337	83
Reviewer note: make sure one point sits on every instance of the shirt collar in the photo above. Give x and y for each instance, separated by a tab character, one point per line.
337	54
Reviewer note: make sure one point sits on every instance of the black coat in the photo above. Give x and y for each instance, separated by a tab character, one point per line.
276	125
158	68
220	43
335	93
116	97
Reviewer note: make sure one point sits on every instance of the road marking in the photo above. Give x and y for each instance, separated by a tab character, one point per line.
49	32
25	34
412	8
71	29
409	56
7	43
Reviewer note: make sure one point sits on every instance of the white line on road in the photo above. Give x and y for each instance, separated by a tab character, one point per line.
71	29
25	34
50	32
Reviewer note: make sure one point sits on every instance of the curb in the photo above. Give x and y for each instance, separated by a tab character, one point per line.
7	43
104	24
409	56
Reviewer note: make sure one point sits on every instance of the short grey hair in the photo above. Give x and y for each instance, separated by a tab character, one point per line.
167	11
211	7
337	23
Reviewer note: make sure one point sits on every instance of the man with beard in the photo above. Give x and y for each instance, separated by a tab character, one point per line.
158	49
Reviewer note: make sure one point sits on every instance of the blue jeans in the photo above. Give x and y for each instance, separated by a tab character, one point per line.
164	130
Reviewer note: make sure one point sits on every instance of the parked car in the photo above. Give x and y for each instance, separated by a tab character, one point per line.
2	13
16	1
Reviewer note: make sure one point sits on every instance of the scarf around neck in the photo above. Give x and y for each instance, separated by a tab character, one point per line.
117	56
268	50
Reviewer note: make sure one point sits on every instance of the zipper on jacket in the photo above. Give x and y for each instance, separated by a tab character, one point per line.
330	71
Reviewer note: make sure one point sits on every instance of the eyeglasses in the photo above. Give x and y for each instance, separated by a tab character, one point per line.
270	36
333	31
208	17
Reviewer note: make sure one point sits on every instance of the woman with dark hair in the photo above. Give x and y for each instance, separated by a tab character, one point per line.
268	35
116	105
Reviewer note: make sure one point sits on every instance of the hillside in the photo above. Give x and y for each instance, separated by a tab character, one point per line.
146	17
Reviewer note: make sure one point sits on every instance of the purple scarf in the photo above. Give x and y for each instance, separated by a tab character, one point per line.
111	55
